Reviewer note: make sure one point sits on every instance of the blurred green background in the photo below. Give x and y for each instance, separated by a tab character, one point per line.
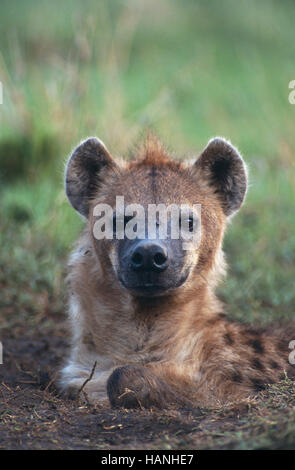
189	70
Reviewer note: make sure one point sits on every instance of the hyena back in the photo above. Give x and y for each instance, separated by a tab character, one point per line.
145	310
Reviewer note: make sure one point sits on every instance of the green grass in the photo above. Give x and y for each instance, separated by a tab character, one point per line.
188	69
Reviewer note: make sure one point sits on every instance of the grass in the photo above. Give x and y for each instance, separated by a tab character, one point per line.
189	70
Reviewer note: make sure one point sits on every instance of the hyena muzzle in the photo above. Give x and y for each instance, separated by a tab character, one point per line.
143	309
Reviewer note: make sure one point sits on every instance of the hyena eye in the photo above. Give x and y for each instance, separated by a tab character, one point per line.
125	220
189	223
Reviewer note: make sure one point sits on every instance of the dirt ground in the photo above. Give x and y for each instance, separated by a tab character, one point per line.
34	416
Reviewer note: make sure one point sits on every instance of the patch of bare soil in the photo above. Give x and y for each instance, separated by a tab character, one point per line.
34	416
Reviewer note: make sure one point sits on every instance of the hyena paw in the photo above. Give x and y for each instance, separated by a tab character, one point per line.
134	386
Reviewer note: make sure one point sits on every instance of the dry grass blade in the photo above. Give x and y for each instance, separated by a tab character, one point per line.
88	378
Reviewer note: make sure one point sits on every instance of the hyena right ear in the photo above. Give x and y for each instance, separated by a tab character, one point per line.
84	172
221	165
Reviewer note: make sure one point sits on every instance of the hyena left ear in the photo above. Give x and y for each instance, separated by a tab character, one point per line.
84	172
223	167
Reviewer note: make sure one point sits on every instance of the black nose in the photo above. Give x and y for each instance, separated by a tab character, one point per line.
149	256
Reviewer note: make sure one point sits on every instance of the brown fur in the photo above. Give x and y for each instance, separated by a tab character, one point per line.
173	350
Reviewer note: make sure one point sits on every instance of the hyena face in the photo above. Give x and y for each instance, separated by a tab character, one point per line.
160	263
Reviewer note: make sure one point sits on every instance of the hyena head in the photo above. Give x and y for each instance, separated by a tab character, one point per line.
161	261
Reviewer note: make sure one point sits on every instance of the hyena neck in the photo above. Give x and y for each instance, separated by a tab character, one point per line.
199	305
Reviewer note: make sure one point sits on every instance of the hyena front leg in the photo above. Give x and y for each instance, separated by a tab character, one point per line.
139	386
76	378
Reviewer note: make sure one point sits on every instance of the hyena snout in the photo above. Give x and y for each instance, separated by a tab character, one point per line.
149	256
151	268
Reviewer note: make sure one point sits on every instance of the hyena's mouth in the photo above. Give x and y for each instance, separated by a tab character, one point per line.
148	290
152	287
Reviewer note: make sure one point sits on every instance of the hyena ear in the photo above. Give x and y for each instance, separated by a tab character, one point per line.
223	167
84	172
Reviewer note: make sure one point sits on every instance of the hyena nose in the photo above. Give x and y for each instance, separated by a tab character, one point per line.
149	256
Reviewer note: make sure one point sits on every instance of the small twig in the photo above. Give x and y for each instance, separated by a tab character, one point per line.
88	379
6	386
127	391
27	382
50	382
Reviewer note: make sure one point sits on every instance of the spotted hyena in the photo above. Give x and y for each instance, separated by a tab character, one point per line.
144	309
